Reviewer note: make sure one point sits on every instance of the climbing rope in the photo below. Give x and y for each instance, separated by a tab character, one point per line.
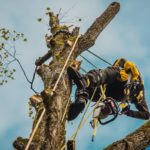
54	88
83	121
65	64
88	61
87	107
100	58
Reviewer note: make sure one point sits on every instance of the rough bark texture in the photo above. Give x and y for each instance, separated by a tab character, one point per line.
51	132
138	140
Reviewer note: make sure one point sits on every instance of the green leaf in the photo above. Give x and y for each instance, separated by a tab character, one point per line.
5	71
39	19
25	39
14	70
22	35
48	8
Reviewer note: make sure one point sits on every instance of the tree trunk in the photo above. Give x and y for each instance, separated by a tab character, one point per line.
138	140
51	132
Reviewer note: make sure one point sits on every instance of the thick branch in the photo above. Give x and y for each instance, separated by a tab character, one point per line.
89	38
139	139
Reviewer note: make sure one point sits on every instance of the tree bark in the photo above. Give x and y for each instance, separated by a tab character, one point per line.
138	140
51	132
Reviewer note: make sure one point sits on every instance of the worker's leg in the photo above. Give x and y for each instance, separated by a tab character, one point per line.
81	95
79	104
76	77
93	78
102	76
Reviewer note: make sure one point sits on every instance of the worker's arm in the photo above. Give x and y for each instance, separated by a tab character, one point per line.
142	112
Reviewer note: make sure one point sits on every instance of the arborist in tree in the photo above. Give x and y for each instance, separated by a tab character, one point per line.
115	77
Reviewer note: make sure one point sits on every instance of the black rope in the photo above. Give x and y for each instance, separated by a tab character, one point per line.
83	70
99	57
88	61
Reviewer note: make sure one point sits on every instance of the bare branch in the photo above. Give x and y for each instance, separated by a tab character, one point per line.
89	38
139	139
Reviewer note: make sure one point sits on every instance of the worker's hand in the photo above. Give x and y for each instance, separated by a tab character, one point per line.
125	110
123	75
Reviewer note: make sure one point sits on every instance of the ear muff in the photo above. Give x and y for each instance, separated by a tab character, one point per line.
133	69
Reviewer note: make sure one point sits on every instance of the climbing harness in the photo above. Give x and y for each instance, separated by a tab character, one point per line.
54	88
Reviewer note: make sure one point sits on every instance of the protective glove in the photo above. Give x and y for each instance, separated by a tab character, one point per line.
125	110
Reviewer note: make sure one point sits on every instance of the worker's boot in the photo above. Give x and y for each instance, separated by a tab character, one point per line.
77	78
77	107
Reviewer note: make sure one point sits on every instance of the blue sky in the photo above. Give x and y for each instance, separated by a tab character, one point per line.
128	35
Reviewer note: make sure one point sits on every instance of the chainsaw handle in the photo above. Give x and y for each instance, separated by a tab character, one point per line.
106	122
115	114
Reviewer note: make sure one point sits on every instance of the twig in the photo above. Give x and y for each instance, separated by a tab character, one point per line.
24	73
